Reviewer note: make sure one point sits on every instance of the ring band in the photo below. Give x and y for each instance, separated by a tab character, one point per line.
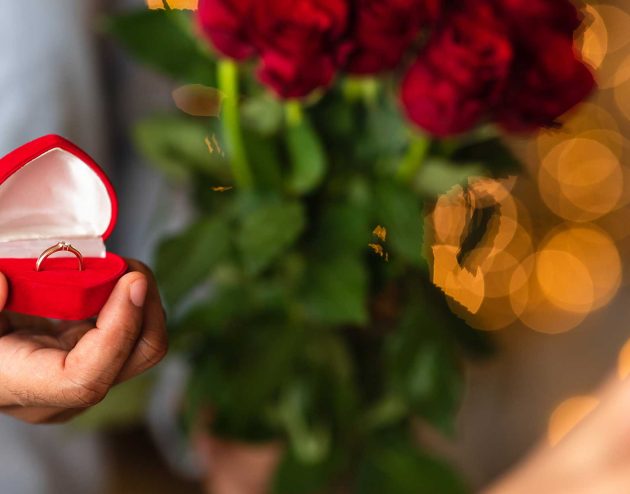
60	247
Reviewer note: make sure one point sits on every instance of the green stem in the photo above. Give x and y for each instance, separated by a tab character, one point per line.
364	89
231	120
414	159
294	112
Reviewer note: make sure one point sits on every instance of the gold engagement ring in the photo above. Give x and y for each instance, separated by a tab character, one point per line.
60	247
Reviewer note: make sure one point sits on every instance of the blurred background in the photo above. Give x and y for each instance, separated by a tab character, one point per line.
556	340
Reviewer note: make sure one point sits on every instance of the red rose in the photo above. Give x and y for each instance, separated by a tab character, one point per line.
509	60
383	31
295	77
549	78
225	24
460	74
298	39
437	103
549	81
529	16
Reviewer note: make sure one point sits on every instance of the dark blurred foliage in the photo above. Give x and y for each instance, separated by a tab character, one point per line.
296	330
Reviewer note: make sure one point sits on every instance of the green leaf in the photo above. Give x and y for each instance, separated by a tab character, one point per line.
310	441
211	318
397	467
477	345
176	145
187	259
344	229
263	114
336	290
165	40
493	153
240	375
268	232
296	477
387	129
266	163
439	176
399	210
424	367
307	157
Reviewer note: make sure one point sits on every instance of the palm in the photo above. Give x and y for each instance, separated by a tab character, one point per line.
35	334
52	371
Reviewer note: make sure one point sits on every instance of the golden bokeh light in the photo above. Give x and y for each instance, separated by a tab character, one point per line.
621	84
576	270
616	225
463	286
581	180
478	280
198	100
568	415
616	22
173	4
533	307
449	217
596	263
613	140
564	280
495	312
585	118
593	43
623	363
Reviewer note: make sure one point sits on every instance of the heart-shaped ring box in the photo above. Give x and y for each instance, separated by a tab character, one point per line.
52	191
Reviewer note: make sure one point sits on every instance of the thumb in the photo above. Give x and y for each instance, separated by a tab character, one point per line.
101	352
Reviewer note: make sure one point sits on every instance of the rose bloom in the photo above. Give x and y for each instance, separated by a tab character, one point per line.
298	40
559	15
295	77
383	31
460	74
549	77
225	24
509	60
546	86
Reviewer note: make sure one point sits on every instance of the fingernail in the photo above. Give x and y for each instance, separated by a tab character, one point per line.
138	292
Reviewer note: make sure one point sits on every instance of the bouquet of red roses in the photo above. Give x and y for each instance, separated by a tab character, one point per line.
462	61
299	291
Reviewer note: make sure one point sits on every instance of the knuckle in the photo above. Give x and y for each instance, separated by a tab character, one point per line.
136	265
154	350
84	394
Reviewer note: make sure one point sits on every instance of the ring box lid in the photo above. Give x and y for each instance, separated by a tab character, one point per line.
50	190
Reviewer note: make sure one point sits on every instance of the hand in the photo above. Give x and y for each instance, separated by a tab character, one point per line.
51	372
594	458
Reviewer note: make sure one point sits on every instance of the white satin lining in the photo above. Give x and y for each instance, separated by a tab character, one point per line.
54	197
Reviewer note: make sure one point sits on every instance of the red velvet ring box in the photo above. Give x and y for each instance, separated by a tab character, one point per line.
52	191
